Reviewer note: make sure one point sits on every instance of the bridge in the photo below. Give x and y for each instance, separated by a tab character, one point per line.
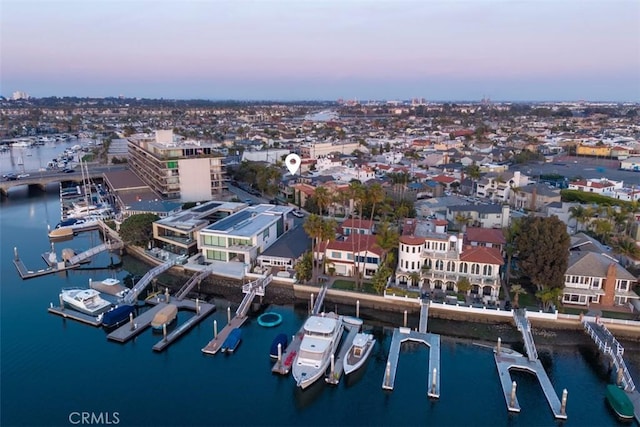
43	178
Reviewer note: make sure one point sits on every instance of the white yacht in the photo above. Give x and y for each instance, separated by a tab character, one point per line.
86	301
111	286
321	337
358	352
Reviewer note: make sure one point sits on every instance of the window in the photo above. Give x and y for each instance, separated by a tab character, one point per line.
265	234
486	270
623	285
218	241
463	267
451	266
336	255
350	256
475	269
216	255
439	265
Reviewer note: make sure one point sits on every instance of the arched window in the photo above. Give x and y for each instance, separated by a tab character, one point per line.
451	266
487	270
475	268
463	267
439	265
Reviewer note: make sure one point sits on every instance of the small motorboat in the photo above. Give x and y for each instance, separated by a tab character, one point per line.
116	315
233	340
87	301
619	402
109	286
358	352
279	339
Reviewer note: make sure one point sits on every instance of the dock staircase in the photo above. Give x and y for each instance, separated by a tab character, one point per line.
131	297
524	326
108	246
251	290
317	306
610	346
192	282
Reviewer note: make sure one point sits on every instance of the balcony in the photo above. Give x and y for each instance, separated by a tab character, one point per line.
449	255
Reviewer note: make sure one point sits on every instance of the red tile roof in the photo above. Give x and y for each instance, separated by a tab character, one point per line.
482	255
444	179
412	240
486	235
367	243
358	223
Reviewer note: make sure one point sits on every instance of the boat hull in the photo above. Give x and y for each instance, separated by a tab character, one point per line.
279	339
117	316
619	402
232	342
358	355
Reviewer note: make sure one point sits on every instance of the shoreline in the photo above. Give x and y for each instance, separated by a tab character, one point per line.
484	327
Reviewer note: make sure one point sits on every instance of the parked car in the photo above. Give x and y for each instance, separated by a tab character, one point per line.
297	214
23	175
67	170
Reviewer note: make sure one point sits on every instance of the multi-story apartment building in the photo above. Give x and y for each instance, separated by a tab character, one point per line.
498	186
441	260
177	233
186	170
244	235
313	150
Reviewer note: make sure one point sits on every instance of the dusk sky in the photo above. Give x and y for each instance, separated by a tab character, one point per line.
310	49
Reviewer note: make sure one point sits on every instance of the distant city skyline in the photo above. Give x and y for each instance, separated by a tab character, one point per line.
543	50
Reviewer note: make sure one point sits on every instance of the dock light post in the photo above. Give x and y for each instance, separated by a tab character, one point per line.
215	329
131	321
164	332
405	318
499	344
358	308
563	405
433	381
15	253
229	314
513	394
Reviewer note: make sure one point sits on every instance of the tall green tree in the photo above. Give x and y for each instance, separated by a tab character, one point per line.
137	230
543	251
313	227
387	238
304	268
323	198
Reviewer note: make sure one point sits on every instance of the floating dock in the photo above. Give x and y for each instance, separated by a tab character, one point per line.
401	335
131	329
202	310
68	313
509	359
283	365
338	369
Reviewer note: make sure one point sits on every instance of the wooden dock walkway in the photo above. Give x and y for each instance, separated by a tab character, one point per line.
338	368
216	343
634	397
509	359
283	366
126	332
201	311
401	335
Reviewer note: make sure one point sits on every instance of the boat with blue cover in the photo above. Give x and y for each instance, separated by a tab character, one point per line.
233	340
279	339
117	315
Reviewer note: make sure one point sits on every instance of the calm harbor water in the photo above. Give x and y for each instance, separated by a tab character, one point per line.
52	368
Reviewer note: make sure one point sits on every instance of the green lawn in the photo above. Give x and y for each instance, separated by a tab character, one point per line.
617	315
349	285
402	292
572	310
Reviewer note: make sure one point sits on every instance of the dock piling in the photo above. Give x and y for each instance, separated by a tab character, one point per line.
197	307
311	305
433	380
358	308
499	344
15	253
131	321
513	394
333	365
166	295
61	302
164	331
387	375
229	314
215	329
620	376
279	352
563	406
405	318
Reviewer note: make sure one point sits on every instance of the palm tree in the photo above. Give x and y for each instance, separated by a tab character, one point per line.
626	247
415	278
510	236
602	228
578	213
375	194
463	220
517	291
313	227
327	232
358	196
387	238
323	198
